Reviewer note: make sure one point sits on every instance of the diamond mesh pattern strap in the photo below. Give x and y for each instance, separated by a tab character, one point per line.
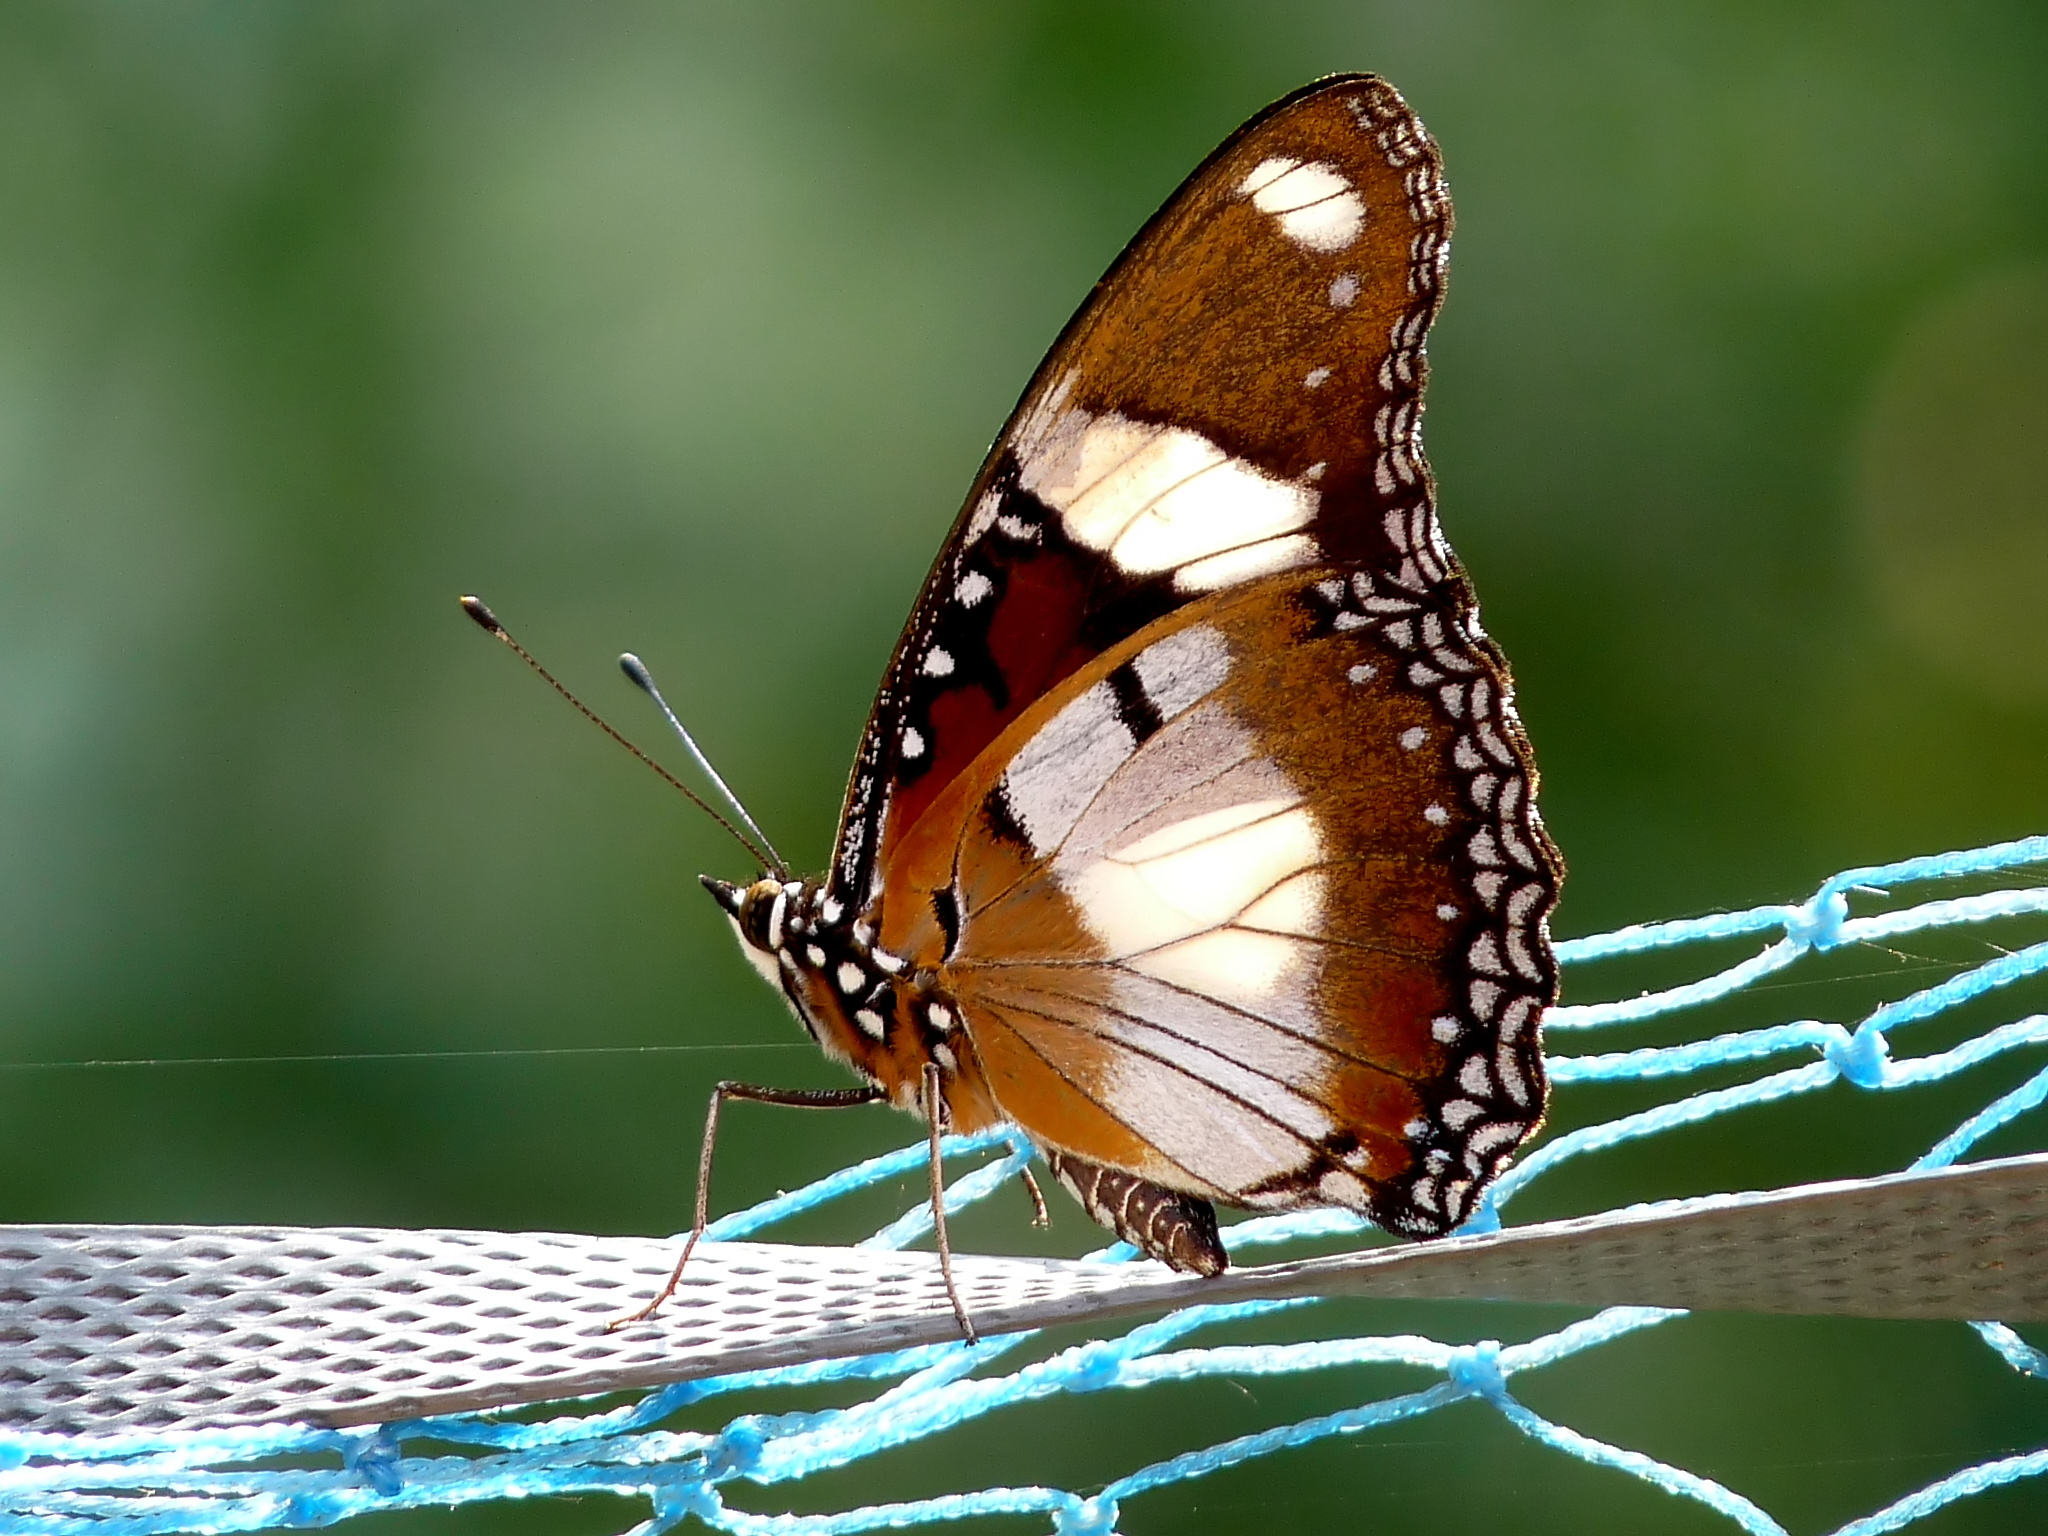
169	1328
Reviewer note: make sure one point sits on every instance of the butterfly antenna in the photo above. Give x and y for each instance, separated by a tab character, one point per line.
636	669
487	620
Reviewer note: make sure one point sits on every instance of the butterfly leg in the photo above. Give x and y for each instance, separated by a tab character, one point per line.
1178	1230
797	1098
935	1114
1038	1217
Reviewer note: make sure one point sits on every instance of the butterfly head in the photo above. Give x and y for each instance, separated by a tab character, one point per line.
760	915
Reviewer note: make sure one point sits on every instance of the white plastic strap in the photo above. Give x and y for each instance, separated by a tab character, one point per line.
106	1328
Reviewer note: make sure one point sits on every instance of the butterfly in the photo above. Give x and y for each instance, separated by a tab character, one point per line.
1193	831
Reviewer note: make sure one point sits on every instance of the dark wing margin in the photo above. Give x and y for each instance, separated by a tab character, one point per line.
1274	310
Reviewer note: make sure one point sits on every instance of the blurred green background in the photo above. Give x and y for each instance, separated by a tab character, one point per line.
681	328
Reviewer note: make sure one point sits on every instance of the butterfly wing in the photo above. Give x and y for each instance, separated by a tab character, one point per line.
1240	395
1255	907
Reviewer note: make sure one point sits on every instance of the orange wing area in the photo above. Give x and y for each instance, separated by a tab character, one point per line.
1218	902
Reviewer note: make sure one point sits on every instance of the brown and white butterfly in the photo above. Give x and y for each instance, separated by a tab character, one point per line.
1193	832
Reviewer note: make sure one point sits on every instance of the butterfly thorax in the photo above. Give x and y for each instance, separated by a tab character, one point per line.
880	1012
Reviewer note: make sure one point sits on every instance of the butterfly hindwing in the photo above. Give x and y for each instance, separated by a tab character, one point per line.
1240	395
1250	914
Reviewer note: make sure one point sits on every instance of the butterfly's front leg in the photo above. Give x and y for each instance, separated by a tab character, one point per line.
798	1098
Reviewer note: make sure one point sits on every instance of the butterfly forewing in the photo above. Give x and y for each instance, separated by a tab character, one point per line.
1239	396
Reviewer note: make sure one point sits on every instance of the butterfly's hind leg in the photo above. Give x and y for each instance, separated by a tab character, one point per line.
935	1115
1039	1218
796	1098
1176	1229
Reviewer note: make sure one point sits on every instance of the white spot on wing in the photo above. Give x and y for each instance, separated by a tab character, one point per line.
851	977
1413	737
913	742
984	517
938	663
1316	207
871	1021
1344	291
973	588
1316	377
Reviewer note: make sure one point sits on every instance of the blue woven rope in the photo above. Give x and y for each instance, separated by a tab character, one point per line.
139	1484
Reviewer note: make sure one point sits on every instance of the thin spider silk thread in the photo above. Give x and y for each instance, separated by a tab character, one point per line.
226	1480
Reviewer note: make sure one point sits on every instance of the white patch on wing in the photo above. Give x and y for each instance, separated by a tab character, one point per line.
1315	206
1293	1109
1199	761
1196	830
1341	1188
1182	669
1228	964
1193	876
1153	497
1200	1105
1050	782
1293	906
1286	553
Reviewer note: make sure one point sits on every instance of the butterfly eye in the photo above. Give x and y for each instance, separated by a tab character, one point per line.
761	914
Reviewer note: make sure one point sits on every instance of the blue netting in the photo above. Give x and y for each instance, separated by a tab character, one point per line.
233	1481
